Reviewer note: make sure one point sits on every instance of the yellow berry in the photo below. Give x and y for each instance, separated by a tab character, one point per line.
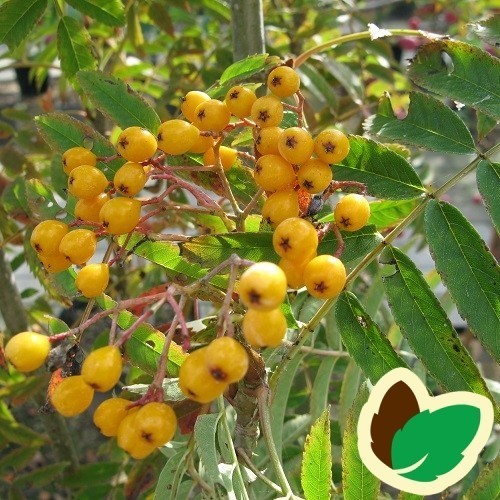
86	182
78	246
352	212
27	351
130	178
109	414
331	146
120	215
136	144
266	140
283	81
202	144
47	236
239	100
314	175
280	206
88	210
190	101
295	145
129	438
92	280
156	423
212	115
176	137
55	263
102	368
74	157
226	360
264	328
273	173
267	111
294	238
72	396
262	286
294	270
324	276
227	156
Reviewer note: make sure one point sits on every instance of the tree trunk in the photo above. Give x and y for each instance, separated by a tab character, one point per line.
248	28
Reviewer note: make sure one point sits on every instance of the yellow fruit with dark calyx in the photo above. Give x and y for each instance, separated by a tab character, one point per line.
314	175
331	146
109	414
120	215
156	423
352	212
176	137
130	178
266	140
27	351
190	101
239	100
294	238
92	280
88	209
227	156
325	276
102	368
264	328
274	173
280	206
294	270
74	157
227	360
267	111
136	144
283	81
47	236
296	145
72	396
202	144
55	263
86	182
129	438
262	286
78	246
212	115
195	380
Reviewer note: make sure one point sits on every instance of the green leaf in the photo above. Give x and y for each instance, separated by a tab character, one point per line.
74	47
41	476
16	459
118	101
346	77
170	477
468	270
487	484
41	200
488	183
316	473
312	78
459	71
439	436
321	388
17	18
144	347
109	12
427	328
488	30
97	473
351	381
485	124
15	432
62	132
171	390
357	481
244	68
363	339
388	213
205	430
429	124
386	174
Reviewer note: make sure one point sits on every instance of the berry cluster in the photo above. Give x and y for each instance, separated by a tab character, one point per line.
289	166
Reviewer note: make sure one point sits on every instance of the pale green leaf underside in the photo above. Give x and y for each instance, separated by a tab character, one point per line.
316	471
468	270
205	430
427	328
487	484
459	71
488	183
429	124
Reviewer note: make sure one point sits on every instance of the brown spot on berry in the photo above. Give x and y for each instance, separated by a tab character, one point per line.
38	248
285	244
291	142
345	221
64	162
71	180
264	116
123	142
258	169
254	297
122	188
328	147
307	184
147	436
105	223
234	94
276	81
218	374
320	287
160	137
201	114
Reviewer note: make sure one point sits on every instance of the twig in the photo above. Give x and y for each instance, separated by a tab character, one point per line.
248	462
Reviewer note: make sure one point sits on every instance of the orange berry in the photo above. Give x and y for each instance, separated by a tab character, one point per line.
266	140
227	156
78	246
136	144
190	101
314	175
273	173
267	111
92	280
88	209
295	145
176	137
352	212
226	360
212	115
27	351
120	215
239	100
102	368
264	328
47	236
283	81
294	238
130	178
324	276
331	146
74	157
72	396
86	182
280	206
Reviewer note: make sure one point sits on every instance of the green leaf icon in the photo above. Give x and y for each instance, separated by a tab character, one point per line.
432	443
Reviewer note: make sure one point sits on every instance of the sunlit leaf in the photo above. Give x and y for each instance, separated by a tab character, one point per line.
110	12
488	183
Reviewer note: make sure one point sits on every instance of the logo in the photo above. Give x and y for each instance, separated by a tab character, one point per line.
419	443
